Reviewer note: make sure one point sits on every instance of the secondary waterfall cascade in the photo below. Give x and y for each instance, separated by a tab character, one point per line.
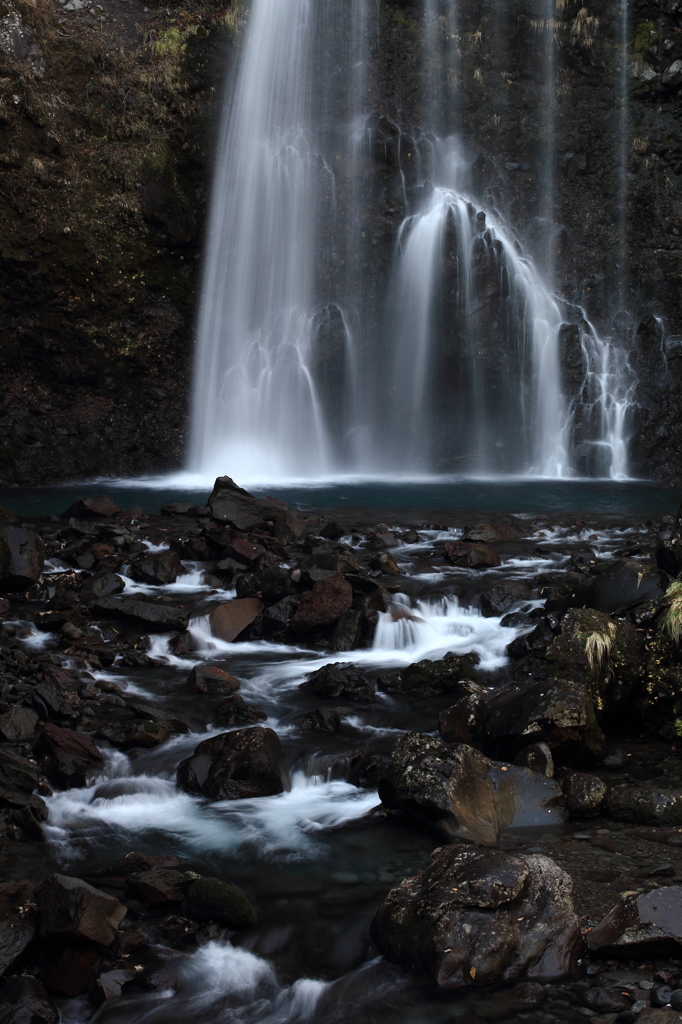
317	355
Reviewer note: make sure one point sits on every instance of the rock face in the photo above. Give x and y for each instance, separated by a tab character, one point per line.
21	558
646	924
69	906
323	605
234	766
462	794
481	917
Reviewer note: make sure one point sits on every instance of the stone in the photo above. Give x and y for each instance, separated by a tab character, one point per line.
72	755
69	906
18	779
537	757
385	563
211	679
18	724
323	605
626	584
22	557
645	924
99	506
320	720
271	583
210	899
493	533
230	619
178	508
342	681
157	886
18	921
452	674
109	984
132	863
244	551
478	917
24	1000
70	966
157	570
236	711
498	599
233	766
471	556
139	733
102	584
463	722
49	702
230	504
150	614
584	794
348	631
644	805
606	1000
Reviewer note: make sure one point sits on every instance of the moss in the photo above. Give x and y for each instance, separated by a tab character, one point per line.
646	36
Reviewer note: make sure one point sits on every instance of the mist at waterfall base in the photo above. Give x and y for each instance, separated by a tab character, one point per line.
319	356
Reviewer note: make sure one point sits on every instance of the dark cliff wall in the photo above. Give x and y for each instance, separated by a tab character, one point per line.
105	132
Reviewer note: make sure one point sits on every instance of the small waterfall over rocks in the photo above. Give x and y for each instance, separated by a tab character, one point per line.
366	306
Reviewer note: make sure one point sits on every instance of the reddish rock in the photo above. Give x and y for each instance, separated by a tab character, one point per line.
230	619
72	755
234	765
158	570
109	984
158	886
102	550
213	680
99	506
323	605
472	556
69	906
244	551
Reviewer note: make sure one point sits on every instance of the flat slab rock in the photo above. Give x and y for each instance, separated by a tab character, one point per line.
642	922
478	917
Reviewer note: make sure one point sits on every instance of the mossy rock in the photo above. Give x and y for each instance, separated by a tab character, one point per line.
209	899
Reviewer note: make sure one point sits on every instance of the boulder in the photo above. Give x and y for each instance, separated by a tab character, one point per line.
277	617
102	584
234	766
209	899
385	563
342	681
236	711
584	794
179	508
18	724
644	805
481	917
323	605
271	583
49	703
158	570
18	779
648	924
451	674
72	755
70	966
99	506
498	599
22	557
150	614
244	551
493	533
348	631
142	733
109	985
18	922
233	505
230	619
471	556
158	886
537	757
211	679
24	1000
69	906
320	720
626	584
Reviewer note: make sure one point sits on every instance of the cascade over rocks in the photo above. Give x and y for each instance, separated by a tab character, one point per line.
481	917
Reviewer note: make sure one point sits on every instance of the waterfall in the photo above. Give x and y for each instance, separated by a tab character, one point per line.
320	353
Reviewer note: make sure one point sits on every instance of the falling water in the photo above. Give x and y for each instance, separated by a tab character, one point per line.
314	356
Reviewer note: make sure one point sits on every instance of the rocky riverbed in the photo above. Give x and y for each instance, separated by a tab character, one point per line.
264	765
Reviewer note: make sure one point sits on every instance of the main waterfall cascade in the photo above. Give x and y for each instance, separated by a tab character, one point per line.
313	359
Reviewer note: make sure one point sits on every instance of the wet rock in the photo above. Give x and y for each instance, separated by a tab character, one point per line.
230	619
211	679
230	504
109	984
139	733
606	1000
102	584
537	757
272	584
451	674
481	917
157	570
18	922
386	564
320	720
72	755
177	932
210	899
323	605
669	552
234	766
236	711
244	551
24	1000
626	584
49	703
277	617
157	886
644	805
69	906
153	616
524	798
18	779
22	557
493	533
471	556
18	724
342	681
178	508
646	924
524	996
157	976
366	770
584	794
498	599
70	966
464	721
99	506
348	631
131	863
